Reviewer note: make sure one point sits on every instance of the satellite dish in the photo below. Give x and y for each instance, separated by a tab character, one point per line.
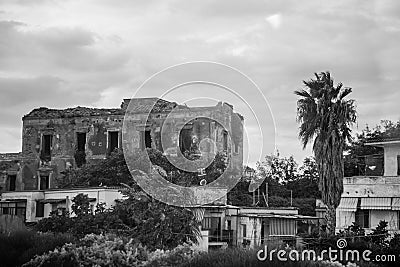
203	182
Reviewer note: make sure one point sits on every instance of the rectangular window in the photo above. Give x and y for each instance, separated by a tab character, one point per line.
44	182
362	218
46	146
244	230
145	139
185	140
112	141
13	208
5	209
225	140
81	141
398	165
229	225
39	209
12	179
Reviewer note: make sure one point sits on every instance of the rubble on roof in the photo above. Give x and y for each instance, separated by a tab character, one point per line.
43	112
139	105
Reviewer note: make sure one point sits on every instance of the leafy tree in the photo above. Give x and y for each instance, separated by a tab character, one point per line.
325	117
282	170
156	224
81	205
283	175
113	171
109	172
239	195
56	223
306	183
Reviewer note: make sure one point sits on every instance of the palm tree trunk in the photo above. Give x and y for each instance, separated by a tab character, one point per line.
330	217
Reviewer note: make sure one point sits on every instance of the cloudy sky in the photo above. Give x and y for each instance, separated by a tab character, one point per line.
63	53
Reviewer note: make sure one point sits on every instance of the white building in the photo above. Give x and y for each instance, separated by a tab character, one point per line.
32	206
367	200
226	225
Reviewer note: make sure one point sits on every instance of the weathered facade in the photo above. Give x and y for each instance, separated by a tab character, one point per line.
55	140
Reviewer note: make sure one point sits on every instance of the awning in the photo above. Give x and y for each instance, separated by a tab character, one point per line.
52	201
348	204
376	203
396	203
282	227
60	200
16	199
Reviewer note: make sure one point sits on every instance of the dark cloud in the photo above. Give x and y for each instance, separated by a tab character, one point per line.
74	49
97	52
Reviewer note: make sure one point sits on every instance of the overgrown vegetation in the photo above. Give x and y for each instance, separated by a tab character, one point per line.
285	178
112	250
19	247
113	171
150	222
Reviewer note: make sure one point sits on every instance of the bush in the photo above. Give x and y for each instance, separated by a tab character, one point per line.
111	250
19	247
56	223
45	242
95	250
176	257
13	245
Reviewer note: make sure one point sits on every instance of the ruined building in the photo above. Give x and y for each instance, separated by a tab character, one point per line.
55	140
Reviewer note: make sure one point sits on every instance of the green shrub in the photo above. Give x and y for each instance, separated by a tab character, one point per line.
176	257
45	242
19	247
95	250
13	245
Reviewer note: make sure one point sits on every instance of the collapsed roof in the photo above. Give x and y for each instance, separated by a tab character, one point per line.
137	105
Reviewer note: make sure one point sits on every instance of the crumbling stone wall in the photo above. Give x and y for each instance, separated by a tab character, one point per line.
62	126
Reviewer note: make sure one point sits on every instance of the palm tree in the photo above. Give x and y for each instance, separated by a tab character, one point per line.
325	117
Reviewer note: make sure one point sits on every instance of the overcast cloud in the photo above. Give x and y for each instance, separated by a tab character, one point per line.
95	53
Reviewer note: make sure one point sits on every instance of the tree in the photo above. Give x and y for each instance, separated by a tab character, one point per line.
325	117
81	205
156	224
285	178
113	171
306	183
